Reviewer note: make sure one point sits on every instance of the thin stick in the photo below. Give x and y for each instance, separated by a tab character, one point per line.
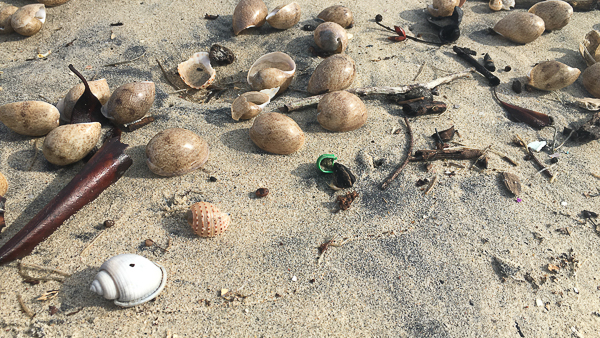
92	242
565	141
389	180
24	307
505	157
43	268
431	185
420	71
166	76
483	154
124	62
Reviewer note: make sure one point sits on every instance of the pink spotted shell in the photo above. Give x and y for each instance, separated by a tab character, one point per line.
207	220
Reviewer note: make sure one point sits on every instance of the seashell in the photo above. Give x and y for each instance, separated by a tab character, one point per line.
552	75
591	79
99	88
70	143
52	3
555	13
442	8
586	103
341	111
520	27
29	19
331	37
129	279
130	102
176	151
249	13
3	186
31	118
6	13
338	14
497	5
284	17
276	133
334	73
590	47
250	104
512	183
207	220
197	72
272	70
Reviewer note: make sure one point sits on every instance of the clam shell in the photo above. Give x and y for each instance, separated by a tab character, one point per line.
497	5
207	220
130	102
197	72
442	8
70	143
6	13
250	104
341	111
338	14
555	13
99	88
271	71
284	17
520	27
29	19
337	72
3	185
552	75
176	151
590	47
249	13
591	79
276	133
31	118
331	37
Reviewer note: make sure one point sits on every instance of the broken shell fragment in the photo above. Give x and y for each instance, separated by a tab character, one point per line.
442	8
555	13
176	151
590	47
552	75
271	71
284	17
497	5
207	220
520	27
591	79
29	19
276	133
250	104
99	88
6	13
341	111
70	143
337	72
3	185
512	183
197	72
249	13
338	14
31	118
130	102
331	37
589	104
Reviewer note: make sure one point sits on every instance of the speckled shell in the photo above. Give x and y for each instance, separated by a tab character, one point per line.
176	151
3	185
130	102
29	19
341	111
271	71
249	13
70	143
207	220
520	27
337	72
591	79
197	71
284	17
276	133
441	8
250	104
552	75
497	5
331	37
52	3
590	47
555	13
338	14
31	118
99	88
6	13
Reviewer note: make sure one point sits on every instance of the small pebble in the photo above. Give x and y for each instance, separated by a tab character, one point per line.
109	223
294	279
261	192
576	291
564	203
539	303
507	69
212	179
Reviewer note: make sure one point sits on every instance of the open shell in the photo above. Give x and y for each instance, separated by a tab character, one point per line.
284	17
207	220
70	143
99	88
31	118
520	27
276	133
442	8
338	14
271	71
497	5
6	13
591	79
250	104
590	47
552	75
249	13
334	73
555	13
197	72
175	152
29	19
331	37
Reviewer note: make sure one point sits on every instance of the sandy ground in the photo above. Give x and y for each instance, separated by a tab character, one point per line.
413	265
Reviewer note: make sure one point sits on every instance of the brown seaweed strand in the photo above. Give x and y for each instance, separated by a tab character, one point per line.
87	107
532	118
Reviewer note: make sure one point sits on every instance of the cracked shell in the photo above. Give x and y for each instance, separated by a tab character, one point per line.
271	71
3	185
29	19
6	13
249	13
130	102
341	111
207	220
338	14
555	13
590	47
276	133
284	17
31	118
250	104
520	27
331	37
552	75
337	72
70	143
197	71
442	8
99	88
175	152
591	79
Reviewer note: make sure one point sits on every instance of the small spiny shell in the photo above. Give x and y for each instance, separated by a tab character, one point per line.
130	102
70	143
338	14
29	19
99	88
3	185
271	71
276	133
31	118
591	79
6	13
249	13
441	8
250	104
590	47
341	111
520	27
331	37
197	72
176	151
497	5
52	3
555	13
207	220
284	17
552	75
334	73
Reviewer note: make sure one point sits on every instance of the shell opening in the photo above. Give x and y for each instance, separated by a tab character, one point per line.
41	14
273	13
197	71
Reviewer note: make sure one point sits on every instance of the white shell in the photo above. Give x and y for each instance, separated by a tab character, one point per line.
497	5
250	104
189	73
590	47
129	279
272	70
589	103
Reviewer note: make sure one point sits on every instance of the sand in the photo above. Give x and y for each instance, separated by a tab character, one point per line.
411	265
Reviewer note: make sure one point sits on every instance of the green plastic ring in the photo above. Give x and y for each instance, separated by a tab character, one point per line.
323	157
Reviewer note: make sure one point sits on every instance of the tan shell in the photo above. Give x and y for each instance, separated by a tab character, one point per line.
276	133
29	19
589	103
341	111
197	72
207	220
249	13
130	102
70	143
271	71
590	47
441	8
497	5
331	37
31	118
512	183
3	185
552	75
52	3
6	13
591	79
284	17
520	27
250	104
99	88
176	151
338	14
337	72
555	13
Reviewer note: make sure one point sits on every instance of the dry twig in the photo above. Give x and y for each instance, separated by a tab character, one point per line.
24	307
394	175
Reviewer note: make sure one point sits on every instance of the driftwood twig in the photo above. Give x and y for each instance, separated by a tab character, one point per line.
395	174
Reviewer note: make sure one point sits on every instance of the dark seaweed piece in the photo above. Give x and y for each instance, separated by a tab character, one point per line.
590	130
517	86
446	154
444	135
87	108
448	27
532	118
211	17
493	80
2	206
488	63
343	177
423	107
221	55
